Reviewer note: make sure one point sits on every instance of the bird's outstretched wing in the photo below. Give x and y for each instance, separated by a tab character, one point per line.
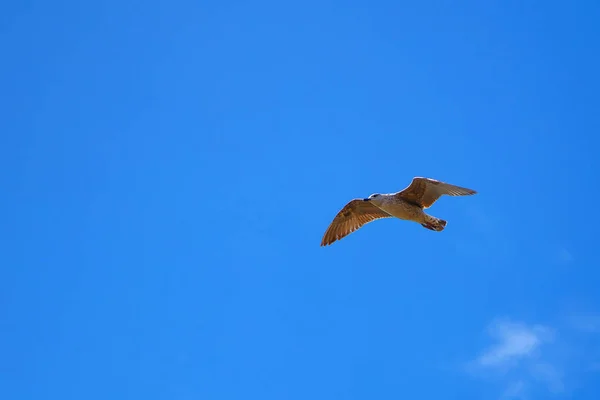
350	218
425	191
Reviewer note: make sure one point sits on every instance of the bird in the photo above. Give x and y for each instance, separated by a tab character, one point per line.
407	204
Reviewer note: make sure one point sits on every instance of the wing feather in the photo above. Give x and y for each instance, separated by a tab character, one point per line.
352	217
425	191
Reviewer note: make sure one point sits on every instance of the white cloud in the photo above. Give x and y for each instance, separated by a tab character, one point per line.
532	361
514	342
517	356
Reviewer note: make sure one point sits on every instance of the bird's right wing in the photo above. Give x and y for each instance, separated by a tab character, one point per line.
350	218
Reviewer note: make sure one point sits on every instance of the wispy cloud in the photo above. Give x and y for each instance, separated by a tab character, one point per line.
514	341
516	357
531	361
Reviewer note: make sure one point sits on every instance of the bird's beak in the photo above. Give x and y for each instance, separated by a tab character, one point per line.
367	199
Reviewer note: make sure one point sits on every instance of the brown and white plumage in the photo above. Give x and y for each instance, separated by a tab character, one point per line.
408	204
425	191
350	218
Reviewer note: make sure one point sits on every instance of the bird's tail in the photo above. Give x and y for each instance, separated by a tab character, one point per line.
435	224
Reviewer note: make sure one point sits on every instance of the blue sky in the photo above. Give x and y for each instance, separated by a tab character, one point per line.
169	169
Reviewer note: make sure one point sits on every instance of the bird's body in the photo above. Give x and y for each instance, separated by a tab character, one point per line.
399	208
408	204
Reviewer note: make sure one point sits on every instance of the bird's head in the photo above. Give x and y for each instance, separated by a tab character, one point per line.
373	196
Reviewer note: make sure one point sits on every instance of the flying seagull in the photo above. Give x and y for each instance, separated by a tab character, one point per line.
407	204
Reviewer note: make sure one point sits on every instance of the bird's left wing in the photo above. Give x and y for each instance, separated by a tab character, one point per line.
425	191
354	215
